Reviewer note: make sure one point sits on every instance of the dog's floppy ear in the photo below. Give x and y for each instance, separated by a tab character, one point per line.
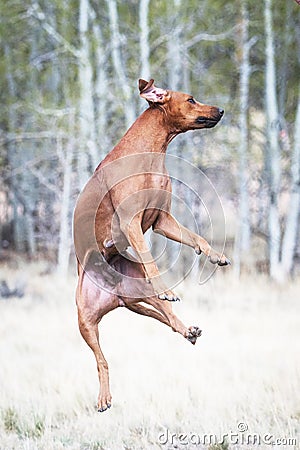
151	93
143	84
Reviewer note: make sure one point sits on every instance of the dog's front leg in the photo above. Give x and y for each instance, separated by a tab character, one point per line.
134	235
168	226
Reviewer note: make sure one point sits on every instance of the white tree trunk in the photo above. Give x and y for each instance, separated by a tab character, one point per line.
273	146
13	159
242	238
292	221
120	76
174	47
65	232
101	91
87	148
144	39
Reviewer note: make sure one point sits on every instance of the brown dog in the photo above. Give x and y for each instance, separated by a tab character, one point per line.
130	192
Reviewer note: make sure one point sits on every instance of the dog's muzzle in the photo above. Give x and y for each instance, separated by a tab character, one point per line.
211	121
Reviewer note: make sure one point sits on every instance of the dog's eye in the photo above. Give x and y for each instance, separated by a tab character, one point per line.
192	101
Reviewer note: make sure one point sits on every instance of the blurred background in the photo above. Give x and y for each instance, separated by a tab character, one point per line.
69	91
69	74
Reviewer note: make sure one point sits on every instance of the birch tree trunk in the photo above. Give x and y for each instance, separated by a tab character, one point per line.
292	221
101	90
118	63
27	183
174	47
274	171
174	60
13	161
87	148
64	244
242	238
144	39
144	45
284	66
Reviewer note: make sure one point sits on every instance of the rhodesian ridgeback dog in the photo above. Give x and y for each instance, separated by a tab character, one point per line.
129	192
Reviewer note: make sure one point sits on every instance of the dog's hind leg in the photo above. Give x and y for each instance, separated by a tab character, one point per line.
191	333
144	311
92	304
90	334
161	310
166	316
165	308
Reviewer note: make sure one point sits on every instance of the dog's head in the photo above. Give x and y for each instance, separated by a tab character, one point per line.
182	110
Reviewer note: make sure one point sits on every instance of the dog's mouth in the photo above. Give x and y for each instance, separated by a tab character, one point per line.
208	123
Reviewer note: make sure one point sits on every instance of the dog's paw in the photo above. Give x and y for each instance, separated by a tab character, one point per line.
224	261
168	295
104	402
193	334
162	291
217	258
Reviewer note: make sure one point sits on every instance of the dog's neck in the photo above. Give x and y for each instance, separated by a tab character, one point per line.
149	133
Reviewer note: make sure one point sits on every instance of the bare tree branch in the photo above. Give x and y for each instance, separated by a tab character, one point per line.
43	180
211	37
36	12
19	137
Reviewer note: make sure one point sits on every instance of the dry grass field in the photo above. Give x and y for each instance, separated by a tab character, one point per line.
242	375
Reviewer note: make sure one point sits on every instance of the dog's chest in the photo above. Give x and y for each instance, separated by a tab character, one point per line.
157	198
160	181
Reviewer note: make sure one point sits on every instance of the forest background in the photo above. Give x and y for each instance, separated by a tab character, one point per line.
69	74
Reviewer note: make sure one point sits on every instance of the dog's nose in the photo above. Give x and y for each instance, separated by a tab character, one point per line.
221	111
